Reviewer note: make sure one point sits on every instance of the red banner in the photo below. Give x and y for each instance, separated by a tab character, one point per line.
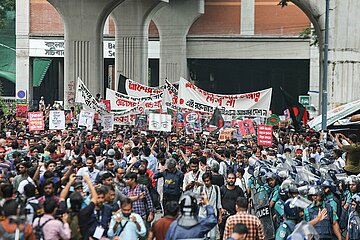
265	135
36	121
21	111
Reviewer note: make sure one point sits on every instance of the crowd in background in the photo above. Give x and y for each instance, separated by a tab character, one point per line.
78	184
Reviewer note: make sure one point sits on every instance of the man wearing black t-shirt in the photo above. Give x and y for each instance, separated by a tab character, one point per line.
229	194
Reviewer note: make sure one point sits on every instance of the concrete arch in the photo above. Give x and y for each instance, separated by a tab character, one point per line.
84	22
132	19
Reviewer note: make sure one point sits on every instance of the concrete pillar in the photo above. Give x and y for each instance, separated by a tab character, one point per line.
247	21
23	77
84	22
344	52
132	19
344	47
173	22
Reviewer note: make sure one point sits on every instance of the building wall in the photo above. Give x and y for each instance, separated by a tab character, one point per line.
221	17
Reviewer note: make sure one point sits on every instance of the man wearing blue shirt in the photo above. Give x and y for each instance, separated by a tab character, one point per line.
125	223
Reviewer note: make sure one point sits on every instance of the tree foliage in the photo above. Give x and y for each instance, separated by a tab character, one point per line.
5	6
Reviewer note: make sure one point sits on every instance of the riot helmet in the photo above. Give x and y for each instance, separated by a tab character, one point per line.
356	198
291	211
189	211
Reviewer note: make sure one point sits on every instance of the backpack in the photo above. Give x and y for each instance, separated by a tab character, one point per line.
38	210
38	230
230	168
4	235
74	227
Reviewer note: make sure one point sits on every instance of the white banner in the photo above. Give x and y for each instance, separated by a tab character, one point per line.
119	101
138	90
84	96
57	120
160	122
246	104
86	119
170	97
107	122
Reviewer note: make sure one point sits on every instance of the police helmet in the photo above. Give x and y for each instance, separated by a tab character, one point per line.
352	180
356	199
315	191
291	211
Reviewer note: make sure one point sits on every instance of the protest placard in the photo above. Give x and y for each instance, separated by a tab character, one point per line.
107	122
86	119
36	121
160	122
265	135
57	120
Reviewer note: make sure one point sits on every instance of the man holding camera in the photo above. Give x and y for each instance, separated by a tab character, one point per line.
52	225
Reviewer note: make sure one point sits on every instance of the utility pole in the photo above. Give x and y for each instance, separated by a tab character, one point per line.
325	80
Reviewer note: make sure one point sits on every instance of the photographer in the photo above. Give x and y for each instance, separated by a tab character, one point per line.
13	221
52	225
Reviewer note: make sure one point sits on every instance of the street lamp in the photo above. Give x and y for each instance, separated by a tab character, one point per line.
325	80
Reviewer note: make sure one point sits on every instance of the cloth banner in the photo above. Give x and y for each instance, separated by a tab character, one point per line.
160	122
86	119
128	117
36	121
192	123
106	104
246	104
57	120
265	136
119	101
84	96
135	89
170	97
107	122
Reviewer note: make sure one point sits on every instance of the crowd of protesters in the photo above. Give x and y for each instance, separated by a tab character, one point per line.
78	184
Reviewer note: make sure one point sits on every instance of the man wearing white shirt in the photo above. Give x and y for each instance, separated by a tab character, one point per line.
192	179
90	171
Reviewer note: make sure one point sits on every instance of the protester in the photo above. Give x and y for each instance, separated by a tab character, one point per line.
62	167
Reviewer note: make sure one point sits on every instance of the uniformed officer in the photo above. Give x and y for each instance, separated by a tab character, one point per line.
321	215
272	188
353	228
292	215
353	183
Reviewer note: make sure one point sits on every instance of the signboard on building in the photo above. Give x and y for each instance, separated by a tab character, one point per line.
56	48
305	101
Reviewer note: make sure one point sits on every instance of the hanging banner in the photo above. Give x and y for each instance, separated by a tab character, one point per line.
107	122
106	104
57	120
265	136
36	121
119	101
247	104
84	96
138	90
160	122
127	119
246	128
170	97
86	119
192	123
21	111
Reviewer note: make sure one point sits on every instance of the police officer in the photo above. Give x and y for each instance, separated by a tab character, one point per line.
189	225
292	215
353	183
353	227
287	190
321	215
272	188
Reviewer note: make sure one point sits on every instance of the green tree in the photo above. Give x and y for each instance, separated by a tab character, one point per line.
5	6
